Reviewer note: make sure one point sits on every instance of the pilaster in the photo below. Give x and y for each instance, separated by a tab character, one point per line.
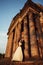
9	46
33	39
26	39
40	33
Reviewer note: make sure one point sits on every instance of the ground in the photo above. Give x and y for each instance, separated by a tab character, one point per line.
6	61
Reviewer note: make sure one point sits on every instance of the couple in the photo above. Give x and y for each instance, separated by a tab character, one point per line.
19	53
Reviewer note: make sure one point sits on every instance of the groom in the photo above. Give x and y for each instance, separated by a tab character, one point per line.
23	47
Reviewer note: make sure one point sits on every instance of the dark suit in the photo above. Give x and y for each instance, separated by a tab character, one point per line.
23	47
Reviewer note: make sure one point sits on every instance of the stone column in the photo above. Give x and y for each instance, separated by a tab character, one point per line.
9	45
17	36
33	40
15	41
19	31
41	20
26	40
39	29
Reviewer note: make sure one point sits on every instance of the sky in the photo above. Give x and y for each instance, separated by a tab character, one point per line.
8	9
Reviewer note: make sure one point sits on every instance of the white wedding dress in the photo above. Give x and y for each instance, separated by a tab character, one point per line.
18	55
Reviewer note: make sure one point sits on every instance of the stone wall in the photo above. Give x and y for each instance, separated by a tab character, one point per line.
29	30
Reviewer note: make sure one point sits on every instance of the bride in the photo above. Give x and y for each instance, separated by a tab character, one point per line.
18	55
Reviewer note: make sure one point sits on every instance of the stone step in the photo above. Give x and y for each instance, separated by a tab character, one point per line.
5	62
9	62
27	63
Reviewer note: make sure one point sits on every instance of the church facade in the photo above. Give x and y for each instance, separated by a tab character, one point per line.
27	25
